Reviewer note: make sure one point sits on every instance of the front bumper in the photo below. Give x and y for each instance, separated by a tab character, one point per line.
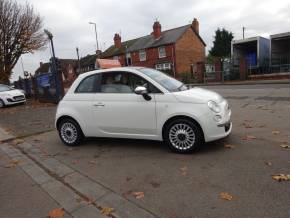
14	100
216	130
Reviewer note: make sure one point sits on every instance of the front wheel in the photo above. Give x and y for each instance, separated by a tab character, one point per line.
70	132
183	136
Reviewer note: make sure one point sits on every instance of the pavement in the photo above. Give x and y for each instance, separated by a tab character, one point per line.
139	178
245	82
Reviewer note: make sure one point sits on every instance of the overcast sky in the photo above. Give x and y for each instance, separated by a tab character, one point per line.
68	21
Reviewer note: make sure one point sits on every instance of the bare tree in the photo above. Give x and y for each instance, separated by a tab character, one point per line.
20	33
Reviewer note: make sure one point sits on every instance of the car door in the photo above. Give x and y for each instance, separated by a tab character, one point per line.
119	112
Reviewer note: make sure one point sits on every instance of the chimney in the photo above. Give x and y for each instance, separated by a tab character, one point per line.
156	30
195	25
117	40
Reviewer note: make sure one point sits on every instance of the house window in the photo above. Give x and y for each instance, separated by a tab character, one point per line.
142	55
163	66
162	52
128	59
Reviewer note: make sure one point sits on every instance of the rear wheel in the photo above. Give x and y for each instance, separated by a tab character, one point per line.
183	136
70	132
2	103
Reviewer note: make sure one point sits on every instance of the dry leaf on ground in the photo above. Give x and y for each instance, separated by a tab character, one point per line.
92	162
247	125
183	171
248	137
17	141
13	163
56	213
281	177
275	132
286	146
107	211
226	196
229	146
138	195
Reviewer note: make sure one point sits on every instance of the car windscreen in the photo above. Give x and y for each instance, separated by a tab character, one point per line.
164	80
4	88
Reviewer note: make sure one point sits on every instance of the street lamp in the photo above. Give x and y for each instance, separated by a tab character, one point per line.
50	36
95	33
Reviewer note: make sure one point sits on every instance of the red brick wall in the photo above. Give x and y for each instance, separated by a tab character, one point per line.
152	57
189	49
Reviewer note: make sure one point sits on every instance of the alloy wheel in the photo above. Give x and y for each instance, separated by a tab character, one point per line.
182	136
69	132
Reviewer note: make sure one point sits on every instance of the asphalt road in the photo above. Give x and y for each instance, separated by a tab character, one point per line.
190	185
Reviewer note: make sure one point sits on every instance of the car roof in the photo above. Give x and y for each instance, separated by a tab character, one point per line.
116	69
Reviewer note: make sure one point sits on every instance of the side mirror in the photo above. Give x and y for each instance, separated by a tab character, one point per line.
141	90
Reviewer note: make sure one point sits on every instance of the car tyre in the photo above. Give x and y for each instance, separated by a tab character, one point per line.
183	136
70	132
2	103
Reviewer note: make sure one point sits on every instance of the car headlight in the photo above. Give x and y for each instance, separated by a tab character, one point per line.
214	106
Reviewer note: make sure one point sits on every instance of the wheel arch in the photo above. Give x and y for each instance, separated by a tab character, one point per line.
168	121
67	117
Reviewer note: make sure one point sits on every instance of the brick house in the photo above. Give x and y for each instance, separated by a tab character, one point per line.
175	51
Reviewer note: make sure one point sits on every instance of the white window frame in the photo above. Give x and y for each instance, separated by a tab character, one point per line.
142	55
163	66
162	52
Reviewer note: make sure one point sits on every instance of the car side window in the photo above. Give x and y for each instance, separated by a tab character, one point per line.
115	82
88	84
136	80
124	82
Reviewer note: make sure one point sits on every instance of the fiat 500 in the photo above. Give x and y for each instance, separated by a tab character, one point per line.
141	103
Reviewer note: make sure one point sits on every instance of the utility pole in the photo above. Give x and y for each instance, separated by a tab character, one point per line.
79	65
95	25
244	32
22	65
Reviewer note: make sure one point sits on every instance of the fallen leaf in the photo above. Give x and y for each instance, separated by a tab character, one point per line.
56	213
13	163
138	195
107	211
248	137
17	141
155	184
229	146
90	201
286	146
226	196
275	132
247	125
268	163
183	171
92	162
128	179
281	177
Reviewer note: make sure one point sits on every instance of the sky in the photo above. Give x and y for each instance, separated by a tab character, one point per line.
68	20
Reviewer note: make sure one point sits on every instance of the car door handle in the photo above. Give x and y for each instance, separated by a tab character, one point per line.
99	105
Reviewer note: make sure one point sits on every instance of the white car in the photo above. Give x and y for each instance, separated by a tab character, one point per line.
10	96
141	103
